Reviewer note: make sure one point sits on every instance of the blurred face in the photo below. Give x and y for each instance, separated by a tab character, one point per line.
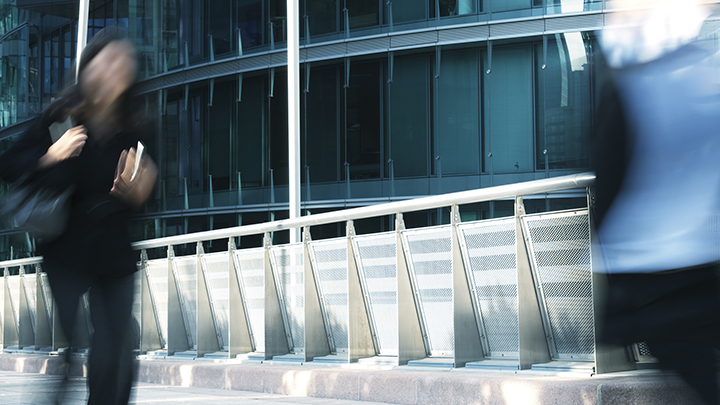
108	75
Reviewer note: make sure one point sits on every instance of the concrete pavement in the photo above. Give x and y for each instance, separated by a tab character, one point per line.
229	381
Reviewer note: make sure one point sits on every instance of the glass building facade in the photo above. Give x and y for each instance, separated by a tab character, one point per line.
399	99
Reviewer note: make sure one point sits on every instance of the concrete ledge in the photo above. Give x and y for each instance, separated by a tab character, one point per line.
395	386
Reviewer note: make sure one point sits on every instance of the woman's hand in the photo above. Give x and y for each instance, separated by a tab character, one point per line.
69	145
136	191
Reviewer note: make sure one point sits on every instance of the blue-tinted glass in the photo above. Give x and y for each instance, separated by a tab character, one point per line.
408	10
250	129
408	116
458	113
249	22
363	13
508	110
220	25
218	143
363	124
322	125
322	16
564	104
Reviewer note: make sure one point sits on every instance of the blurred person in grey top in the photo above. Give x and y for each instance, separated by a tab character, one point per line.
656	149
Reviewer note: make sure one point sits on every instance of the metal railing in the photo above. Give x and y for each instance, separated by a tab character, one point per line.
507	293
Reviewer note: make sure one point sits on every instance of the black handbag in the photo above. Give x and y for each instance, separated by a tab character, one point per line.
36	209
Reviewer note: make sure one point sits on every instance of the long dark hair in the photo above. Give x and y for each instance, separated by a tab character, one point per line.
69	102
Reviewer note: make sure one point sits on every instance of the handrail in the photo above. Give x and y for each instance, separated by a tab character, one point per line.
425	203
443	200
21	262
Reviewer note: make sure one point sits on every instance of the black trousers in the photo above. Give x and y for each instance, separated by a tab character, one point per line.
112	364
677	313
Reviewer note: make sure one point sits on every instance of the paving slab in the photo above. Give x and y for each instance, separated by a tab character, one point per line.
230	381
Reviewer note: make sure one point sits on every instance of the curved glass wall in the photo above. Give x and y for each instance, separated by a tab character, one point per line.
374	127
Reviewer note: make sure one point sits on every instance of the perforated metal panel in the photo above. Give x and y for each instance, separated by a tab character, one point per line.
429	256
376	258
644	349
330	264
289	266
218	280
251	273
186	278
490	252
158	275
30	284
560	250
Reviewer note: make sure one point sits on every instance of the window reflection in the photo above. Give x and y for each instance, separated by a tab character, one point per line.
563	103
363	13
452	7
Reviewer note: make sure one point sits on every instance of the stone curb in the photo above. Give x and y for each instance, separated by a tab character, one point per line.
391	386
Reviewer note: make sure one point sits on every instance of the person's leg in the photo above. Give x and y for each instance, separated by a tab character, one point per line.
112	362
693	361
67	288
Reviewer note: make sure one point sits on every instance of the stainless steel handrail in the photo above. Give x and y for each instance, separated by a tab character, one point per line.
443	200
425	203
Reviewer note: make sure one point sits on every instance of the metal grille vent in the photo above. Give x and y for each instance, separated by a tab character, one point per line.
430	260
644	349
376	258
490	250
158	277
30	295
330	260
290	268
560	245
186	278
251	272
218	281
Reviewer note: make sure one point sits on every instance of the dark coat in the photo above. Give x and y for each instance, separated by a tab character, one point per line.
97	240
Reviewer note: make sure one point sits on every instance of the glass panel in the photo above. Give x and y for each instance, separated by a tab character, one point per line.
249	21
458	113
363	13
249	138
564	104
218	142
452	7
408	10
362	149
322	16
172	34
220	26
278	19
408	116
169	163
322	125
508	105
278	122
569	6
505	5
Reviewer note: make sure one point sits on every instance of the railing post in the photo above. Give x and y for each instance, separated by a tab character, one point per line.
468	346
26	335
276	340
10	330
176	334
533	348
241	338
150	337
317	337
411	341
361	338
43	329
208	339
